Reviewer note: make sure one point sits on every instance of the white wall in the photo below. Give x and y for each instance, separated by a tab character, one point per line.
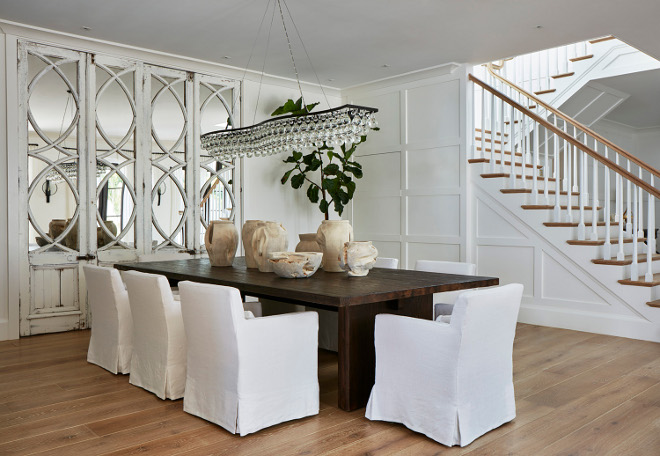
412	200
4	214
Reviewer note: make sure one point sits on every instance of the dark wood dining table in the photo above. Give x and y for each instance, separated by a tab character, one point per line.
357	300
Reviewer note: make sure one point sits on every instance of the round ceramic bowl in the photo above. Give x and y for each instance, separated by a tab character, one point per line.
295	265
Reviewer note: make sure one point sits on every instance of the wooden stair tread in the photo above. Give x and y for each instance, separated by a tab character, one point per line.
499	151
584	57
488	132
518	176
655	303
499	162
489	140
508	122
550	206
641	258
529	190
601	241
574	224
531	107
543	92
641	282
563	75
600	40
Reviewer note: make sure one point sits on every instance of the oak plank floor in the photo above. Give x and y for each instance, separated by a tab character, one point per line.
576	393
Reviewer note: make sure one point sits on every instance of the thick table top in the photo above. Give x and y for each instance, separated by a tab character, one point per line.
332	289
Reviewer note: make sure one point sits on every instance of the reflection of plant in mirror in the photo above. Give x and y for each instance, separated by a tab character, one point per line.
336	170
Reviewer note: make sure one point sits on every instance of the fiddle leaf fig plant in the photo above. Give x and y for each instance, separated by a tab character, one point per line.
328	172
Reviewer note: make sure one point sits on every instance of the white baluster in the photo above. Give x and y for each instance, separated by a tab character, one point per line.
634	273
629	231
483	122
607	247
557	210
575	166
564	180
640	210
594	197
524	144
492	133
569	193
617	189
502	135
535	162
512	175
473	121
582	187
650	237
546	168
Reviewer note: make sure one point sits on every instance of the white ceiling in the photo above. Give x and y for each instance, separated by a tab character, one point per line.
642	108
349	40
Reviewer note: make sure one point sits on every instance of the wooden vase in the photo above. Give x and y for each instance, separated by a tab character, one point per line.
268	238
308	243
331	237
221	240
247	233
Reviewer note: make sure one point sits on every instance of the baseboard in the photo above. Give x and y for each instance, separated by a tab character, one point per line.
608	324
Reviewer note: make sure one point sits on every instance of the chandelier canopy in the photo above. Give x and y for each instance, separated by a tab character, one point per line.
334	127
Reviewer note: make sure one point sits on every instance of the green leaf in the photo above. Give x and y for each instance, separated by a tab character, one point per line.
316	164
331	154
343	196
324	206
331	169
289	159
355	170
349	152
312	106
339	208
350	186
313	193
286	108
298	180
331	185
297	155
286	176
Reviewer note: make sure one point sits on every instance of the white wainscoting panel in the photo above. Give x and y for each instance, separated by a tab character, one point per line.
437	167
389	122
428	251
387	249
434	215
512	264
490	225
432	112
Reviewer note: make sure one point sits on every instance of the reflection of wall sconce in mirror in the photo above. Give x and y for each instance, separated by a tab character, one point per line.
49	189
162	189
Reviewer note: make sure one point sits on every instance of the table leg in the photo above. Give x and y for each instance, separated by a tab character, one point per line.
357	358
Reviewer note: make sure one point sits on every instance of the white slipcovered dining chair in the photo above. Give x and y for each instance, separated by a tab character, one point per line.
329	320
159	341
387	263
111	344
452	381
443	303
247	374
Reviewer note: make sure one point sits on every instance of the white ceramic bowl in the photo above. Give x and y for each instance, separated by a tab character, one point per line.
295	265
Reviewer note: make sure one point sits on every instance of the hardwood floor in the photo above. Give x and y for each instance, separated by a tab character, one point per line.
577	393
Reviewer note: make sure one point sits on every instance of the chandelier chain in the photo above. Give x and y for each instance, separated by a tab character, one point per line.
263	66
295	69
325	96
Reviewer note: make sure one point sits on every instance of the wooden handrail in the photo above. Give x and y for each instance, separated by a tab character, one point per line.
605	161
210	191
577	124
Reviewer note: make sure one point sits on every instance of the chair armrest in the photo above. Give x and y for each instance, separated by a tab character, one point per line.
278	349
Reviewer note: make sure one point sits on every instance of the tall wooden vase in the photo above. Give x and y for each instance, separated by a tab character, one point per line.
268	238
247	233
331	236
221	240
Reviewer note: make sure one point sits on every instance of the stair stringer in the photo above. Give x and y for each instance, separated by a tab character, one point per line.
621	310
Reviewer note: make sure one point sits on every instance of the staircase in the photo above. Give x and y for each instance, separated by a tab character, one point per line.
591	203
